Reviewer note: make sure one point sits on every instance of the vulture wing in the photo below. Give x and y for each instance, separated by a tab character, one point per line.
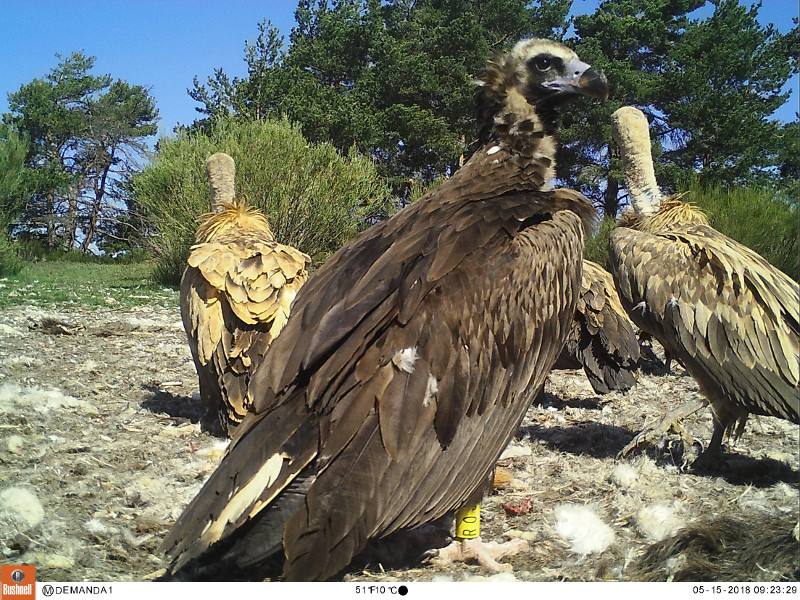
726	313
235	299
407	364
603	339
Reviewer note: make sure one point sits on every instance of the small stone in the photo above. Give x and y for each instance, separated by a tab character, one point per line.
56	561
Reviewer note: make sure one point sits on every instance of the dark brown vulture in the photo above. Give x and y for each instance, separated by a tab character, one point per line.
235	297
603	339
412	355
731	318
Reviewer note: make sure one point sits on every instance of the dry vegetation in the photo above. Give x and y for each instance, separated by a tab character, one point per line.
100	449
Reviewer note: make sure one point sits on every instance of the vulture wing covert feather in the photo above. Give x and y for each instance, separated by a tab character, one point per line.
719	307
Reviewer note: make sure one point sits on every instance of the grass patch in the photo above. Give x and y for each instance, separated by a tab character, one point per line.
67	284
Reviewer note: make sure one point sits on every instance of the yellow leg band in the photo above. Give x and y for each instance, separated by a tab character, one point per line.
468	522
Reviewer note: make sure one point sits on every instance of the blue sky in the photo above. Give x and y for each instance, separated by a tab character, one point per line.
163	44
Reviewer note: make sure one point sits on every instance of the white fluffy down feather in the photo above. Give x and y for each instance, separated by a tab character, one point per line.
20	509
623	475
583	529
657	522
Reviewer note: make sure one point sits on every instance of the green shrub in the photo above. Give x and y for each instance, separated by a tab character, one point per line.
757	217
314	198
596	248
10	261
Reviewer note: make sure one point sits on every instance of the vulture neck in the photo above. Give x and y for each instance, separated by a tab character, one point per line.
517	132
630	130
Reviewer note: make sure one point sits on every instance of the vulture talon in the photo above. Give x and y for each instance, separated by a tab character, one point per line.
660	427
486	554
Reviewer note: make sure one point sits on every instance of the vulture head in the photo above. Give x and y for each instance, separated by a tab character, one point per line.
522	91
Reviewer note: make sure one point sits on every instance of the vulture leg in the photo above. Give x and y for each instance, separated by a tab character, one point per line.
210	400
725	418
657	429
468	546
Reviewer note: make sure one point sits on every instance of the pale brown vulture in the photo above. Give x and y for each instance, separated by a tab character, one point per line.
730	317
411	356
603	340
235	297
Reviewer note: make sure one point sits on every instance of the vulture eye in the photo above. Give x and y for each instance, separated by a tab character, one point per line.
542	63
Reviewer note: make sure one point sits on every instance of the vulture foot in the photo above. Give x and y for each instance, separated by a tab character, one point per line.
656	430
485	553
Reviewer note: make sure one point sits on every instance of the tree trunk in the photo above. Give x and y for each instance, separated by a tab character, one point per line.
94	215
50	223
611	201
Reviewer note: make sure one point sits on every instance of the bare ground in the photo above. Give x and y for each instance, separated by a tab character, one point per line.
100	449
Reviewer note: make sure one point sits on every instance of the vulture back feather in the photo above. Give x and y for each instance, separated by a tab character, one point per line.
727	314
408	361
236	294
603	339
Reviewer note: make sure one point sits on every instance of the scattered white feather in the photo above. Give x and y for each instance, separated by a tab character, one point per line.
47	400
675	563
143	323
15	444
515	450
8	395
96	527
89	366
405	359
583	529
493	150
501	577
657	522
623	475
134	541
57	561
20	508
26	361
752	499
215	451
9	331
13	399
430	390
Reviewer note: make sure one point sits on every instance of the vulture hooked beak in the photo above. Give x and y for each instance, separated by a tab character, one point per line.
580	78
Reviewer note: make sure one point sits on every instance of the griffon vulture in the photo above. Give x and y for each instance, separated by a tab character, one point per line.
235	297
412	355
730	317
